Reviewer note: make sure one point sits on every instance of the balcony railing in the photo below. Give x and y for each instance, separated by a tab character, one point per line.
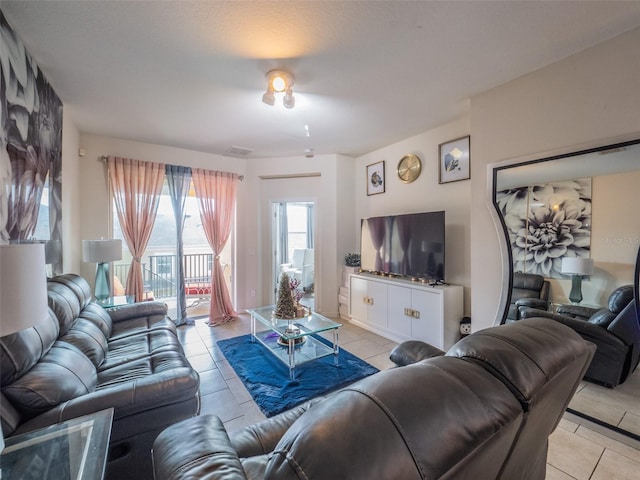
160	274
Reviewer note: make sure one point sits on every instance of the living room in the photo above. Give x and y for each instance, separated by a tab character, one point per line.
571	104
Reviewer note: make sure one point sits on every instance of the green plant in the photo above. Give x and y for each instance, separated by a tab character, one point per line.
352	259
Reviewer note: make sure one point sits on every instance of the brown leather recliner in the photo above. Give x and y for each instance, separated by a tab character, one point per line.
528	290
615	331
483	410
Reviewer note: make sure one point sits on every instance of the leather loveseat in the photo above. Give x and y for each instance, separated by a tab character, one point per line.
83	359
615	331
484	410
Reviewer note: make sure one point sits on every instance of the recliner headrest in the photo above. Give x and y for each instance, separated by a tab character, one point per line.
523	354
620	298
527	281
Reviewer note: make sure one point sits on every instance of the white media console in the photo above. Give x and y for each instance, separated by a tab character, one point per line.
402	309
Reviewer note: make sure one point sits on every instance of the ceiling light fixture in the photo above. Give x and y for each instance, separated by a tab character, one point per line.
279	81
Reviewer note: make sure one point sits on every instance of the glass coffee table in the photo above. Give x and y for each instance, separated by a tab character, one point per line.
74	449
292	341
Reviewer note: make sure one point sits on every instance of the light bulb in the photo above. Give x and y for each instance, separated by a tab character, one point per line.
278	84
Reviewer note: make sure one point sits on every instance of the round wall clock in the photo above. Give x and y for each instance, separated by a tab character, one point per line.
409	168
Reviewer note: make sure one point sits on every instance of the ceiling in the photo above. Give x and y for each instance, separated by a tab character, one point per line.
191	74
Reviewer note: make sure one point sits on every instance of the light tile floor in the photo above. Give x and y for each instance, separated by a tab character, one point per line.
576	449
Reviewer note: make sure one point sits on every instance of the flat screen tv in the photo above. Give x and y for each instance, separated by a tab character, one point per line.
410	245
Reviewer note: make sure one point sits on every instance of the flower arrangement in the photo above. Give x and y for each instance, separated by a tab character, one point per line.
352	259
297	294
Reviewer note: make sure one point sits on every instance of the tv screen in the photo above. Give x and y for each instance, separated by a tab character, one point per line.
410	245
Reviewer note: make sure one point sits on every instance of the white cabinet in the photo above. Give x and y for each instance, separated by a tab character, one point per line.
368	301
403	310
344	292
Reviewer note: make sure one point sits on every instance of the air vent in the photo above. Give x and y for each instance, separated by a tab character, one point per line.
612	150
239	151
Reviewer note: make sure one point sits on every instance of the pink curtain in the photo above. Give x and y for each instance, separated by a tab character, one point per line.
136	187
216	192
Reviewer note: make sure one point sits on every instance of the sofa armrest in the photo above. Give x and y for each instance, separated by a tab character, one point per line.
530	312
533	303
625	325
136	310
262	437
127	397
413	351
196	448
576	311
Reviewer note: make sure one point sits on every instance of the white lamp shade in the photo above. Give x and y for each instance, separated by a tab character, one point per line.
23	287
100	251
577	266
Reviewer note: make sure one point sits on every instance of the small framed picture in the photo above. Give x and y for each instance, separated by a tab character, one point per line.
454	160
375	178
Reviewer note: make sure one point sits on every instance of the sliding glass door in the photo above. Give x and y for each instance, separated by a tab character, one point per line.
159	263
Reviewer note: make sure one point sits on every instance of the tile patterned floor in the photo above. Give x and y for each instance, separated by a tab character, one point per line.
576	450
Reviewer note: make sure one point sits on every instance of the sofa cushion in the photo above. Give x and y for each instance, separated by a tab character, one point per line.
134	347
22	350
99	316
89	339
62	374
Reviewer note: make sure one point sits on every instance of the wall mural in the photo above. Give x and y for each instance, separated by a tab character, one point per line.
546	223
30	149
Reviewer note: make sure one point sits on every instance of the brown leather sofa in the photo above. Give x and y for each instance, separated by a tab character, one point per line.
484	410
83	359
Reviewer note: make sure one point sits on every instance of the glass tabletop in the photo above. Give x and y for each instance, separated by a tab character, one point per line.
72	450
312	323
116	301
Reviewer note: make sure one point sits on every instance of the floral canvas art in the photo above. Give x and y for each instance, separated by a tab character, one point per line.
30	149
546	223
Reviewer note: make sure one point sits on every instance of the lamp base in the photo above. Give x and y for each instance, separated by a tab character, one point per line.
103	281
576	289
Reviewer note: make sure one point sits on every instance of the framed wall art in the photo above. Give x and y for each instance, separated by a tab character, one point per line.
455	160
375	178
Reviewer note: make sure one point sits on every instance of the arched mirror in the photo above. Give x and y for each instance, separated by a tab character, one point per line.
571	225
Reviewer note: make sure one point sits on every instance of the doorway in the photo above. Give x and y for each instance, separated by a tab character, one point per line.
293	239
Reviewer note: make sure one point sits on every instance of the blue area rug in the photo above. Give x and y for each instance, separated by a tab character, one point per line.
267	378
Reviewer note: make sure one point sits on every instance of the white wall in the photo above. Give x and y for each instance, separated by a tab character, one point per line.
585	100
71	196
423	195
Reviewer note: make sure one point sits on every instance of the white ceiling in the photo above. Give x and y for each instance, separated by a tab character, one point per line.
190	74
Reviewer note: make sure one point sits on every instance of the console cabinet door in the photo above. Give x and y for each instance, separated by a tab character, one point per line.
357	299
377	293
369	301
399	301
429	327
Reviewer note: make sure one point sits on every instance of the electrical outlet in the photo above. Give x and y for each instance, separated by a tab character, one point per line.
252	293
465	328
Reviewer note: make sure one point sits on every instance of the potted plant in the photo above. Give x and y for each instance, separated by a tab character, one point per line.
351	263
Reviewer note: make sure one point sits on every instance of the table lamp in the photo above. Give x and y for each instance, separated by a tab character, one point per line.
577	268
102	252
23	289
